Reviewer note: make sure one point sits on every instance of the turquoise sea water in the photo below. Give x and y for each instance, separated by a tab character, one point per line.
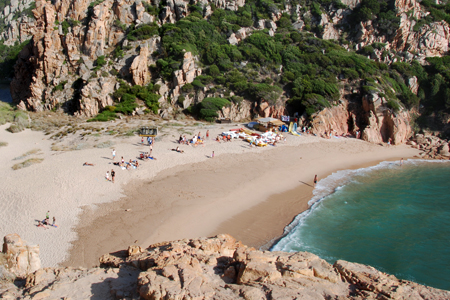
396	219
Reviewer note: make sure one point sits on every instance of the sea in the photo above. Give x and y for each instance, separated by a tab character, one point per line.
5	94
393	217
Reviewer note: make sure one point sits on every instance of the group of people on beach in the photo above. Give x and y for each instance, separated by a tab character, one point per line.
46	222
195	141
225	138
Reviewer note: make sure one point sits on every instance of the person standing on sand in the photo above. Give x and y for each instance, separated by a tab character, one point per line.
212	155
107	175
207	134
113	174
54	221
47	215
114	154
315	180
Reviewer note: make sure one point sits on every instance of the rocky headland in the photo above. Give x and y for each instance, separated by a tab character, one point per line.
206	268
81	54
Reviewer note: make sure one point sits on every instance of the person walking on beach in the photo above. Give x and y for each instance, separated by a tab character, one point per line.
207	134
107	175
212	155
54	221
113	174
47	215
114	154
315	180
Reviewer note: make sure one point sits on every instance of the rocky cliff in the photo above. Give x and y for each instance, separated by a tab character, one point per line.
80	51
215	268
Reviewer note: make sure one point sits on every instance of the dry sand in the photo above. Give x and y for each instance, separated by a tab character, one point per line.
251	193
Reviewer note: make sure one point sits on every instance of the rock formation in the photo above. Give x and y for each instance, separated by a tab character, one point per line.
432	146
59	69
236	111
216	268
19	25
368	115
139	68
186	74
21	258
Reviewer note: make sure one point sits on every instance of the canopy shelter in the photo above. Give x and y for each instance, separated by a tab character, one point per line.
148	131
268	123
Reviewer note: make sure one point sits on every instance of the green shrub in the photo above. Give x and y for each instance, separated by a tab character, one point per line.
104	116
214	71
198	84
143	32
207	109
187	88
394	105
100	62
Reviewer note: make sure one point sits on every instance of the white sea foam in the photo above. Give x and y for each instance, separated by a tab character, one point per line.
330	185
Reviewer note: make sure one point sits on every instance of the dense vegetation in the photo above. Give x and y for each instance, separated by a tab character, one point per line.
8	57
126	97
310	66
292	65
207	109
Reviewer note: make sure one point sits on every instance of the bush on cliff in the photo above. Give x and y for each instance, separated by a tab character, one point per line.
126	96
207	109
143	32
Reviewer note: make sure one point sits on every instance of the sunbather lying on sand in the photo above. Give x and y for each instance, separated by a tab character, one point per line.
41	225
178	150
88	164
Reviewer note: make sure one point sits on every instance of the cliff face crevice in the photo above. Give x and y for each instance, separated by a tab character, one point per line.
368	115
216	268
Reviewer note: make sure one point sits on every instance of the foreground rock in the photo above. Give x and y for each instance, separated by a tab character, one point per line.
217	268
432	147
21	257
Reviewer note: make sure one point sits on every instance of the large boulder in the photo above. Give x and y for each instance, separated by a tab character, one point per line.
21	257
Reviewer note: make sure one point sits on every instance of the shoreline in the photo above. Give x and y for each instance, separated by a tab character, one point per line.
205	199
276	234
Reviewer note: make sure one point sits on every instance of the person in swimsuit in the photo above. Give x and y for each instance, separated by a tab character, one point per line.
178	150
315	180
113	174
41	225
114	154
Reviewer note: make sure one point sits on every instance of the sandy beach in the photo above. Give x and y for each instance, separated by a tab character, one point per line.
250	193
